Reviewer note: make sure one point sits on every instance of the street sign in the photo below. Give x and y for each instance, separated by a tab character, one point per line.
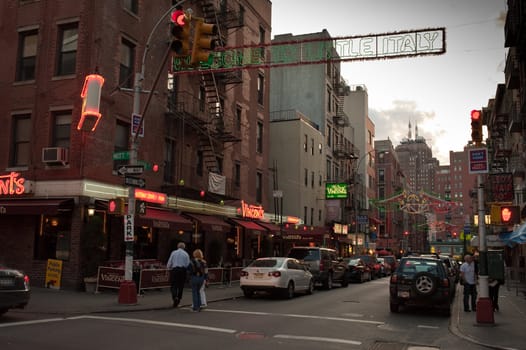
130	169
467	228
128	228
478	160
124	155
135	181
136	119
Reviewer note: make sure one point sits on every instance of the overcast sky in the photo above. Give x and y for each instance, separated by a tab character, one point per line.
436	93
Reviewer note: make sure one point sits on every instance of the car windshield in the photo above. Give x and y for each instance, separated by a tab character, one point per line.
354	262
305	254
264	263
412	267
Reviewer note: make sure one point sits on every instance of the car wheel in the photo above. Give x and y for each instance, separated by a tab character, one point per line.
425	283
394	307
289	292
248	293
310	289
345	280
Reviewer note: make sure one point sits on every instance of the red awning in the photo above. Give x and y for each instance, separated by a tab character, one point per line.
210	223
51	206
270	226
161	218
249	225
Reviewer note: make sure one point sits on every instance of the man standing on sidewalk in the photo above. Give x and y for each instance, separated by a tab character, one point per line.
468	278
178	264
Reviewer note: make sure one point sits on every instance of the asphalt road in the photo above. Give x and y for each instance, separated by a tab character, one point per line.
356	317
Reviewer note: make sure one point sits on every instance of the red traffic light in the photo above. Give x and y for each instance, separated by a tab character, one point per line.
475	115
178	17
155	167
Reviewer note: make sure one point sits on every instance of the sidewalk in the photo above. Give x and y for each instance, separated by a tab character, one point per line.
49	301
506	333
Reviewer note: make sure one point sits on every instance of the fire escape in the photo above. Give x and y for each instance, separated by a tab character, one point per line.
205	113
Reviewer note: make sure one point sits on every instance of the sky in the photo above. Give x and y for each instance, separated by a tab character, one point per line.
435	93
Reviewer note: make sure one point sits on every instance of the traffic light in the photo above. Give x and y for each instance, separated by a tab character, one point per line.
509	214
91	91
181	33
203	42
476	126
116	206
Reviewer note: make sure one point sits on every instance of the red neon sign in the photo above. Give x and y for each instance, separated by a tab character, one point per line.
150	196
90	95
252	211
12	184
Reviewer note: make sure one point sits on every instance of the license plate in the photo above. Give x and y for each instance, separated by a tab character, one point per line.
403	294
7	282
258	275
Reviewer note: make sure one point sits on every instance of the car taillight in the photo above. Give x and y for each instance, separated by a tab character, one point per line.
394	278
445	282
243	274
26	280
274	273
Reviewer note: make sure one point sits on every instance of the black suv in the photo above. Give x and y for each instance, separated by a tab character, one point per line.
420	282
324	264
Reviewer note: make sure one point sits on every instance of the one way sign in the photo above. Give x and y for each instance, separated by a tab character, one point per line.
130	169
135	181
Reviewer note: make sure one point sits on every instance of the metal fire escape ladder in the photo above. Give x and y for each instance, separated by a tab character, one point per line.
214	125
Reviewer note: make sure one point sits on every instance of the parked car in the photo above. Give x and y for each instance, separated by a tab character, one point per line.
358	271
14	289
280	275
373	264
385	268
391	260
324	264
453	269
421	282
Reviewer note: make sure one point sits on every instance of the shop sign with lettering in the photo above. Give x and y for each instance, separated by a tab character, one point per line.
252	211
12	184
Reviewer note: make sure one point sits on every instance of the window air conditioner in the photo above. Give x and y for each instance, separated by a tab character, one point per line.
55	155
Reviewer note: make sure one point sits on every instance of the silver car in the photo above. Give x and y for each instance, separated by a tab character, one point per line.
281	275
14	289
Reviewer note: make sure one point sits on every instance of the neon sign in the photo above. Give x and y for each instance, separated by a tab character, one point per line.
12	184
252	211
150	196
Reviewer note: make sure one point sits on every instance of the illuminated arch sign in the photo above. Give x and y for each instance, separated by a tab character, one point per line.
336	190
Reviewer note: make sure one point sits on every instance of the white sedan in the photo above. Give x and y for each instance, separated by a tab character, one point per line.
276	274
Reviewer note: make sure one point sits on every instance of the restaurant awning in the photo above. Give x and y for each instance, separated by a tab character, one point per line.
210	223
270	227
161	218
250	225
48	206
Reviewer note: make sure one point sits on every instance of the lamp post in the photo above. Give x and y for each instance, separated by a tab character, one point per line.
127	289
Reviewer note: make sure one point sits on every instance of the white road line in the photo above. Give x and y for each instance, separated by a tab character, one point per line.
354	320
157	323
321	339
25	323
429	327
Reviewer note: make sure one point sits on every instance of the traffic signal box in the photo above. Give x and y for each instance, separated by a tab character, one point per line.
476	126
505	214
181	33
203	42
116	206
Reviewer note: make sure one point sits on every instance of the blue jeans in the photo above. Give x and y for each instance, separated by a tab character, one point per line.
196	282
470	290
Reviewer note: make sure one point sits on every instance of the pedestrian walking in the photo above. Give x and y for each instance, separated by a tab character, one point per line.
468	278
494	285
178	264
202	291
198	275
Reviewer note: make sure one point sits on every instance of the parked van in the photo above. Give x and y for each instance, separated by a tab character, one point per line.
324	264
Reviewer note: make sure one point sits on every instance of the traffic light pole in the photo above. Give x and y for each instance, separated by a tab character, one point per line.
128	289
484	306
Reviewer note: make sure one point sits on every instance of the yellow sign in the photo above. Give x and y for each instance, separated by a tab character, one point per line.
53	273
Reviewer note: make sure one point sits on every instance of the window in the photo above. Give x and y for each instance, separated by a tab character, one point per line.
329	135
27	55
312	179
239	115
259	137
305	214
261	87
237	174
132	6
306	177
319	215
122	132
202	98
320	180
381	176
305	142
67	49
52	241
21	131
328	99
312	216
199	165
262	40
169	163
126	76
312	146
328	169
259	187
61	129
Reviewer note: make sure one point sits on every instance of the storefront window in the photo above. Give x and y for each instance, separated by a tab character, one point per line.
52	239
